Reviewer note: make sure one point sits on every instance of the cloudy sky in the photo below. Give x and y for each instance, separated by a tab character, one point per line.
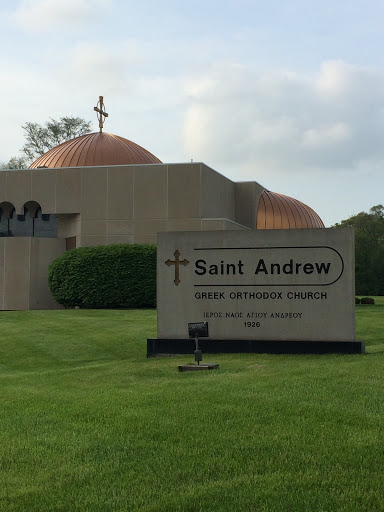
289	93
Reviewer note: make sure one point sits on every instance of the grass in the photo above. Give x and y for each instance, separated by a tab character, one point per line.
87	423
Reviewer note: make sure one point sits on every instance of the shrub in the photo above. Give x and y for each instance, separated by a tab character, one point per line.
110	276
357	300
367	300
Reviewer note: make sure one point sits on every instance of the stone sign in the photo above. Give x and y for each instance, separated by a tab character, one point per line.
270	285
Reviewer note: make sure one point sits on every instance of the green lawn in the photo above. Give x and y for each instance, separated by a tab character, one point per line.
87	423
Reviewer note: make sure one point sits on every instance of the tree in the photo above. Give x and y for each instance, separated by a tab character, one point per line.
369	250
40	139
377	210
16	162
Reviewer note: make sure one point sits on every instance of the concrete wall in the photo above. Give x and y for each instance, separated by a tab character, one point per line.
247	195
24	272
132	203
105	205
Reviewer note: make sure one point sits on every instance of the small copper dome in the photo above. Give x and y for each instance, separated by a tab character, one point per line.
276	211
95	149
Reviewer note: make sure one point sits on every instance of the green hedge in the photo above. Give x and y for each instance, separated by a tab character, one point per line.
110	276
367	300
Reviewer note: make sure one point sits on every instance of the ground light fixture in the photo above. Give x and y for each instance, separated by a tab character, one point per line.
198	330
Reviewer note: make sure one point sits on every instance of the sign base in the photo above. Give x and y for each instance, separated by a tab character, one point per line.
198	367
159	346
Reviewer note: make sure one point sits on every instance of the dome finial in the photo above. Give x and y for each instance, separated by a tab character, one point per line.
100	112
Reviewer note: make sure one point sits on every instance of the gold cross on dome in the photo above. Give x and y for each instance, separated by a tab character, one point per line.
100	112
177	264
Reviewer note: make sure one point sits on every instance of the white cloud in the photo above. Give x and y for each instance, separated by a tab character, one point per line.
324	137
119	71
254	123
49	15
98	64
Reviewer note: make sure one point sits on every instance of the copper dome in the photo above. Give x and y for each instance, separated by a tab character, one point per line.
95	149
276	211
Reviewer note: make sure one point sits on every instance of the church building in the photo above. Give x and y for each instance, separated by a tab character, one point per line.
100	189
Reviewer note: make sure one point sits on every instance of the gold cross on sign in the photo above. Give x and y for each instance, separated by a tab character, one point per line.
177	264
100	112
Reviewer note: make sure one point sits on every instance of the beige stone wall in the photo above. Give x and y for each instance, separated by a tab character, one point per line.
68	225
68	190
17	186
221	225
247	195
118	204
217	195
24	272
42	252
132	203
14	273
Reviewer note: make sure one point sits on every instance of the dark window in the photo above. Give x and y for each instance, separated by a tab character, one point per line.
70	243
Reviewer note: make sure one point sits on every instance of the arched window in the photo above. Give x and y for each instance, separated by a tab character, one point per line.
32	222
32	209
7	211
